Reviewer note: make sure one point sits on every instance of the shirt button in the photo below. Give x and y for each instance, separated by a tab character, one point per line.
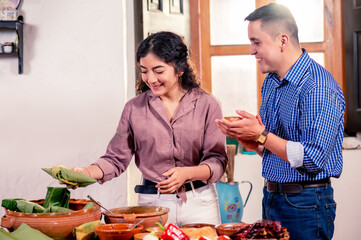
169	145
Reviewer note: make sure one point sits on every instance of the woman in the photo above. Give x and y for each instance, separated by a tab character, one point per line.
170	129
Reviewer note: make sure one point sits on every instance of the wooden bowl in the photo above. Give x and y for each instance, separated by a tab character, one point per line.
229	228
117	231
151	215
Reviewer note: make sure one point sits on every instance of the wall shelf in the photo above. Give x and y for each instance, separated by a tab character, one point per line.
19	50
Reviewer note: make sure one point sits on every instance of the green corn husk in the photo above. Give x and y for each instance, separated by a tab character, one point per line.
56	209
10	204
4	235
87	231
88	205
69	176
56	196
25	232
29	207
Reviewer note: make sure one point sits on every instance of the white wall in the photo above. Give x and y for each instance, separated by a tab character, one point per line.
346	189
65	108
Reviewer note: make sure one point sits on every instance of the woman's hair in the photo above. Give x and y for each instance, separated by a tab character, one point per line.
275	18
170	48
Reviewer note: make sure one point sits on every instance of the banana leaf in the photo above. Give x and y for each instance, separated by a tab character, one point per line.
4	235
29	207
10	204
54	209
25	232
87	231
69	176
88	205
56	196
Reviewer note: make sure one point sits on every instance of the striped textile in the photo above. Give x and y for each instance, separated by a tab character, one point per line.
307	106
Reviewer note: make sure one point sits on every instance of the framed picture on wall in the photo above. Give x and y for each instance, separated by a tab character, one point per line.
155	5
176	6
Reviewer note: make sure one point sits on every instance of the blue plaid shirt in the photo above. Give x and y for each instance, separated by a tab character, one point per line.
307	107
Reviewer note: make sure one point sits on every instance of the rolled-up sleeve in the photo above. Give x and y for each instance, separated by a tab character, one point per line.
321	119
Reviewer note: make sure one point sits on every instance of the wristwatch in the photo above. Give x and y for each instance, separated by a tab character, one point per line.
263	137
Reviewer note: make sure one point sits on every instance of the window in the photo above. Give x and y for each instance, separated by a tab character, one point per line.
220	46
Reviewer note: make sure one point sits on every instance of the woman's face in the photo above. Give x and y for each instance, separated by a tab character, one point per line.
159	76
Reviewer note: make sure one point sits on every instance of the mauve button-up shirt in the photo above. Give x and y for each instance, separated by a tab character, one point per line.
190	139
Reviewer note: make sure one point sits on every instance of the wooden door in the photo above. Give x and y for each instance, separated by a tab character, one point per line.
352	10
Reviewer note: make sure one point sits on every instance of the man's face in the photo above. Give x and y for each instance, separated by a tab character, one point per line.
264	47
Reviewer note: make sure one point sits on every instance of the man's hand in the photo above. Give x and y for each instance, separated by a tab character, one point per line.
247	129
252	145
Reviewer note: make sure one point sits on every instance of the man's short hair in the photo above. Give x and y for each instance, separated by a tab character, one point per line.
275	18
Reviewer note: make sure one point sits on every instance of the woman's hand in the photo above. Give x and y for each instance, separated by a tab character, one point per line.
175	179
91	171
82	170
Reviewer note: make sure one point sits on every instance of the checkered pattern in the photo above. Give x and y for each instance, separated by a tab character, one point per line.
307	106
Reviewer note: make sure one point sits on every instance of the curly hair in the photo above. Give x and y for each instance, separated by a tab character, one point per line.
170	48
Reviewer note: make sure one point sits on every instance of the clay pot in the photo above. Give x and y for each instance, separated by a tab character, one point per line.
229	228
151	215
117	231
54	225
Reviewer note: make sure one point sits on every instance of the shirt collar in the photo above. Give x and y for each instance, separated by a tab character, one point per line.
298	69
296	72
188	102
191	96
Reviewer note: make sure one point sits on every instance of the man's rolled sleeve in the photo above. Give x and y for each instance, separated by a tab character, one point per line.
295	153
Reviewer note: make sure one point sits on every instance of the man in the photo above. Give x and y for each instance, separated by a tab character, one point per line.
299	130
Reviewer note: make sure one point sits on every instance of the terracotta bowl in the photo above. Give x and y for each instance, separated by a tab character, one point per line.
117	231
151	215
229	228
54	225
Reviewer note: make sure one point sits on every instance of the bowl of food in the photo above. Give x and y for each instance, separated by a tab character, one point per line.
115	231
229	228
134	214
198	225
262	230
56	225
